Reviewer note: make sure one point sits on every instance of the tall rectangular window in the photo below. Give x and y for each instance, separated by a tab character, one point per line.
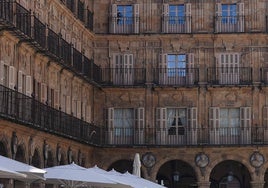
176	14
229	120
176	65
124	14
123	121
176	120
229	13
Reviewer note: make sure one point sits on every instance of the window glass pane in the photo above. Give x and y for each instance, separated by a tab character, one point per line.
176	14
125	14
123	121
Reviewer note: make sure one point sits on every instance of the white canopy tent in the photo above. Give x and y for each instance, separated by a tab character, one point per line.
32	173
73	176
126	178
7	173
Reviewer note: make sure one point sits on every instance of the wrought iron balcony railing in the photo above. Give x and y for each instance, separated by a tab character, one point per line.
229	24
176	24
182	136
123	76
229	75
124	25
28	111
176	76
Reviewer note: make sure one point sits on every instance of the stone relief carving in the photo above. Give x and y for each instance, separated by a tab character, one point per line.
256	159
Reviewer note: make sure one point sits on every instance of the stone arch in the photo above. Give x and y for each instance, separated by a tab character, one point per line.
50	159
244	161
177	173
123	165
36	158
21	153
230	173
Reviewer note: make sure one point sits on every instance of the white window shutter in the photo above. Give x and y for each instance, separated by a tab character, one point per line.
214	117
74	107
265	116
2	74
188	11
110	118
240	14
190	60
43	93
161	116
29	86
78	109
218	16
192	118
20	80
163	61
56	99
88	113
136	18
165	20
113	21
68	104
245	117
12	77
139	118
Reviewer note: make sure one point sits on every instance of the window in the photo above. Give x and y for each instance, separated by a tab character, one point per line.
176	65
177	69
230	125
123	72
124	19
229	68
125	125
177	18
229	17
176	121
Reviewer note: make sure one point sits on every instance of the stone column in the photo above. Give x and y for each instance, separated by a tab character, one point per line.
257	184
203	184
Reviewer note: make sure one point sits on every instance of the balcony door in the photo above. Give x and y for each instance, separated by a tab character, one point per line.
229	68
123	72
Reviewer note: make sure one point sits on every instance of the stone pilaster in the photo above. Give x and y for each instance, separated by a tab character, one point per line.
203	184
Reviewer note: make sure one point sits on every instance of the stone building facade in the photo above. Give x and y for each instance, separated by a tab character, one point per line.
181	82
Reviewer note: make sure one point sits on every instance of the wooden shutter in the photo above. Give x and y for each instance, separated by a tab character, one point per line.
188	13
245	117
136	18
190	60
218	17
78	109
29	86
88	113
163	77
56	99
113	19
139	118
20	80
74	107
163	61
240	14
12	77
192	118
214	117
161	118
165	20
2	73
265	116
43	92
68	104
110	118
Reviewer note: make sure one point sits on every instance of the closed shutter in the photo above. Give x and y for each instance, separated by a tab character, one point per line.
188	13
214	118
88	113
139	118
20	80
190	78
265	116
161	116
74	107
192	118
29	85
241	13
136	18
245	117
68	104
113	20
165	19
2	73
128	78
12	77
110	125
163	72
218	17
78	109
43	93
56	99
139	126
